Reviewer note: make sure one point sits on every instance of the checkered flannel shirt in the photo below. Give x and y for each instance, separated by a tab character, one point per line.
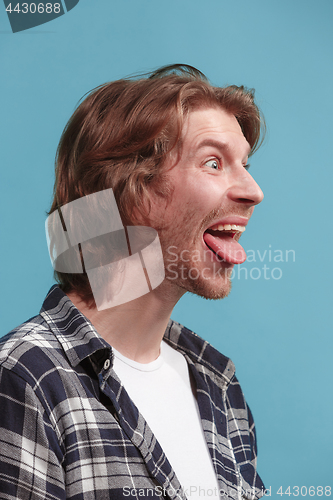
68	429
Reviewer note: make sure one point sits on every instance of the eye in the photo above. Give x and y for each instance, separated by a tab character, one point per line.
213	163
247	166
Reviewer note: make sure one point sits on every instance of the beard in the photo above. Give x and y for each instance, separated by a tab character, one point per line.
206	278
190	265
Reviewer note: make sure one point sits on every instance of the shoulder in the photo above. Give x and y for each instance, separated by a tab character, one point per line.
30	334
30	351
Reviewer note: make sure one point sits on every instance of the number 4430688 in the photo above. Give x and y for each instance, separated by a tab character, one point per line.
303	491
33	8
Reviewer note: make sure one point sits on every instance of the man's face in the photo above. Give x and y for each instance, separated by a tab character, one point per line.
212	200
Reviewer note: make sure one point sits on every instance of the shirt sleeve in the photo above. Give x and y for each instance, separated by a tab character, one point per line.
30	453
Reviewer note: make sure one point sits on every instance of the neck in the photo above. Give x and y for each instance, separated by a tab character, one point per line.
135	328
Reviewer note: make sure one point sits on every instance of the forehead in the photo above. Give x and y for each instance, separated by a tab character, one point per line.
213	124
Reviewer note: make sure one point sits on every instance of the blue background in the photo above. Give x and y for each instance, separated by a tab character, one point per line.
277	331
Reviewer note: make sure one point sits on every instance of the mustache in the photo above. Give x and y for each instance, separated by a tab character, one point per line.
218	213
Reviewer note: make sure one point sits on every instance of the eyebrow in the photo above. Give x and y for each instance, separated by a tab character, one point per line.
223	146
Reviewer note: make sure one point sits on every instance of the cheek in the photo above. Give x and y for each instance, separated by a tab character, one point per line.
205	192
191	199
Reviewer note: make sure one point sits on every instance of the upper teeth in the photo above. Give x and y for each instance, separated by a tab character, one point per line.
228	227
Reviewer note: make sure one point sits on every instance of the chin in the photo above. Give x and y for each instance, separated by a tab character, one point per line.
210	280
210	291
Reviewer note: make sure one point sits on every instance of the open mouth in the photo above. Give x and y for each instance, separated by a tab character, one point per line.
222	240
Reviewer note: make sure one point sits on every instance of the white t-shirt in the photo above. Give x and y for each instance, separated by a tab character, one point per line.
162	392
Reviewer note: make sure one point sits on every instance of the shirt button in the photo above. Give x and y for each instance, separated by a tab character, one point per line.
106	364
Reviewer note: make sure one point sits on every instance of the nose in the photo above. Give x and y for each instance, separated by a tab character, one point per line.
244	189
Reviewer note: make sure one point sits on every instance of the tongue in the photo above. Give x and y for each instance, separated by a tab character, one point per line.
226	248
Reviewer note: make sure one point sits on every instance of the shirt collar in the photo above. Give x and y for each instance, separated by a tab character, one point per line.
200	353
79	338
73	330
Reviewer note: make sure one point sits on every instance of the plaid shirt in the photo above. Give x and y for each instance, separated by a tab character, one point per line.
68	429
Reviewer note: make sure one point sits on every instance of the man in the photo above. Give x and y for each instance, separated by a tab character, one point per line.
106	397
